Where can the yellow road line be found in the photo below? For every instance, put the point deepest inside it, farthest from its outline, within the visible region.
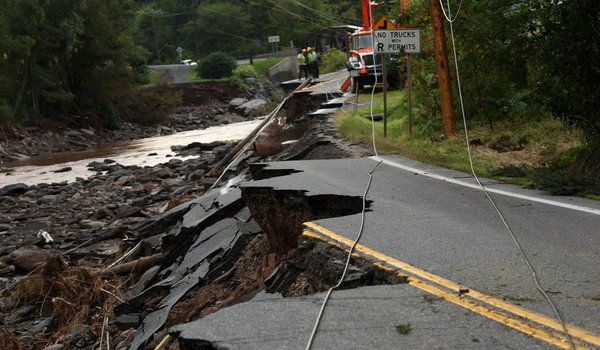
(574, 331)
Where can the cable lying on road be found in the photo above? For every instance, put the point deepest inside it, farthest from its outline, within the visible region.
(363, 213)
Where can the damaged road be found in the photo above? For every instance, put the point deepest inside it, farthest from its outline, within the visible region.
(154, 258)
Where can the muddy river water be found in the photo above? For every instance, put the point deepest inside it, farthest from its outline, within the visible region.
(143, 152)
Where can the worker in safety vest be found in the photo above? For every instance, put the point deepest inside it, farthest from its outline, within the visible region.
(313, 62)
(302, 64)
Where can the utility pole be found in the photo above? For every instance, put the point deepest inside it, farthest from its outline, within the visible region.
(443, 71)
(409, 93)
(156, 49)
(385, 92)
(195, 19)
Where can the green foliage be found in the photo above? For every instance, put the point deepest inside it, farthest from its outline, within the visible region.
(243, 72)
(263, 65)
(519, 59)
(404, 329)
(234, 26)
(567, 51)
(333, 60)
(67, 57)
(217, 65)
(148, 106)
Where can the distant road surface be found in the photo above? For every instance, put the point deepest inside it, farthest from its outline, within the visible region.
(173, 73)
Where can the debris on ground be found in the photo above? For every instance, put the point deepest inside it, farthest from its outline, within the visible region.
(125, 255)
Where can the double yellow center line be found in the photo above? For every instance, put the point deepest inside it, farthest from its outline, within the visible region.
(516, 317)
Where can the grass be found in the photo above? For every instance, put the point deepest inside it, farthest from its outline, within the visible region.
(536, 147)
(153, 76)
(192, 74)
(403, 329)
(262, 66)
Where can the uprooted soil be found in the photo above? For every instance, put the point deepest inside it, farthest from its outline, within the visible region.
(136, 250)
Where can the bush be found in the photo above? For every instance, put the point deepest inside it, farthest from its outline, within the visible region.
(150, 106)
(333, 60)
(244, 72)
(217, 65)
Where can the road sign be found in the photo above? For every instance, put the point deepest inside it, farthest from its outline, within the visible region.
(384, 23)
(274, 39)
(179, 50)
(398, 41)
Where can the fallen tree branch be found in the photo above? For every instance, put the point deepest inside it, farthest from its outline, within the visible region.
(141, 264)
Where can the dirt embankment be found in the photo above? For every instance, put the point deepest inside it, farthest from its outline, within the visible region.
(120, 257)
(202, 105)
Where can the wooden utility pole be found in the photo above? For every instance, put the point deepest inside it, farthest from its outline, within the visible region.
(443, 71)
(195, 18)
(409, 93)
(385, 92)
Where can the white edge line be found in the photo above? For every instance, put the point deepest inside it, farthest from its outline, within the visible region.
(492, 190)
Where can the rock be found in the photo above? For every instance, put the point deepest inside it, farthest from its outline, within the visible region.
(41, 326)
(196, 175)
(251, 107)
(47, 199)
(230, 118)
(124, 322)
(78, 330)
(91, 224)
(4, 227)
(95, 182)
(28, 258)
(160, 173)
(54, 347)
(89, 132)
(109, 161)
(172, 182)
(236, 102)
(13, 190)
(63, 170)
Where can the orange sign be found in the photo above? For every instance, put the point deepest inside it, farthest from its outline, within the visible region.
(384, 23)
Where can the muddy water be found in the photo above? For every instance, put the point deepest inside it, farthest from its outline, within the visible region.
(41, 169)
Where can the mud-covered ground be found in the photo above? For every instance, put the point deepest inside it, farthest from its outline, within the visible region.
(121, 256)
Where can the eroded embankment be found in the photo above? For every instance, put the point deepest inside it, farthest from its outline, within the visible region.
(171, 252)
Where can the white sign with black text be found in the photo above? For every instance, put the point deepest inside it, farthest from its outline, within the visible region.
(397, 41)
(273, 39)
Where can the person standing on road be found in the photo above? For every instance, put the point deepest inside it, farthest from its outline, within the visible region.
(313, 63)
(302, 64)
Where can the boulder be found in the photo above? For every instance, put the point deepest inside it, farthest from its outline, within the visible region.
(28, 258)
(13, 190)
(252, 107)
(236, 102)
(47, 199)
(63, 170)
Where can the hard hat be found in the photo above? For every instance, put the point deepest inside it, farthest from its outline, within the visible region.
(309, 49)
(303, 50)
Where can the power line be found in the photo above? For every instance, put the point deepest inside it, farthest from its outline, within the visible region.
(483, 188)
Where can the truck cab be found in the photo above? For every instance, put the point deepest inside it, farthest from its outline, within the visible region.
(365, 67)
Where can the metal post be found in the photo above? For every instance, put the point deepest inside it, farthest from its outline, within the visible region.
(385, 89)
(409, 93)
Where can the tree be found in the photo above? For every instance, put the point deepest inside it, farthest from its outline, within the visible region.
(568, 42)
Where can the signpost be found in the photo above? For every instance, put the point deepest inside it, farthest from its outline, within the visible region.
(397, 41)
(274, 40)
(180, 53)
